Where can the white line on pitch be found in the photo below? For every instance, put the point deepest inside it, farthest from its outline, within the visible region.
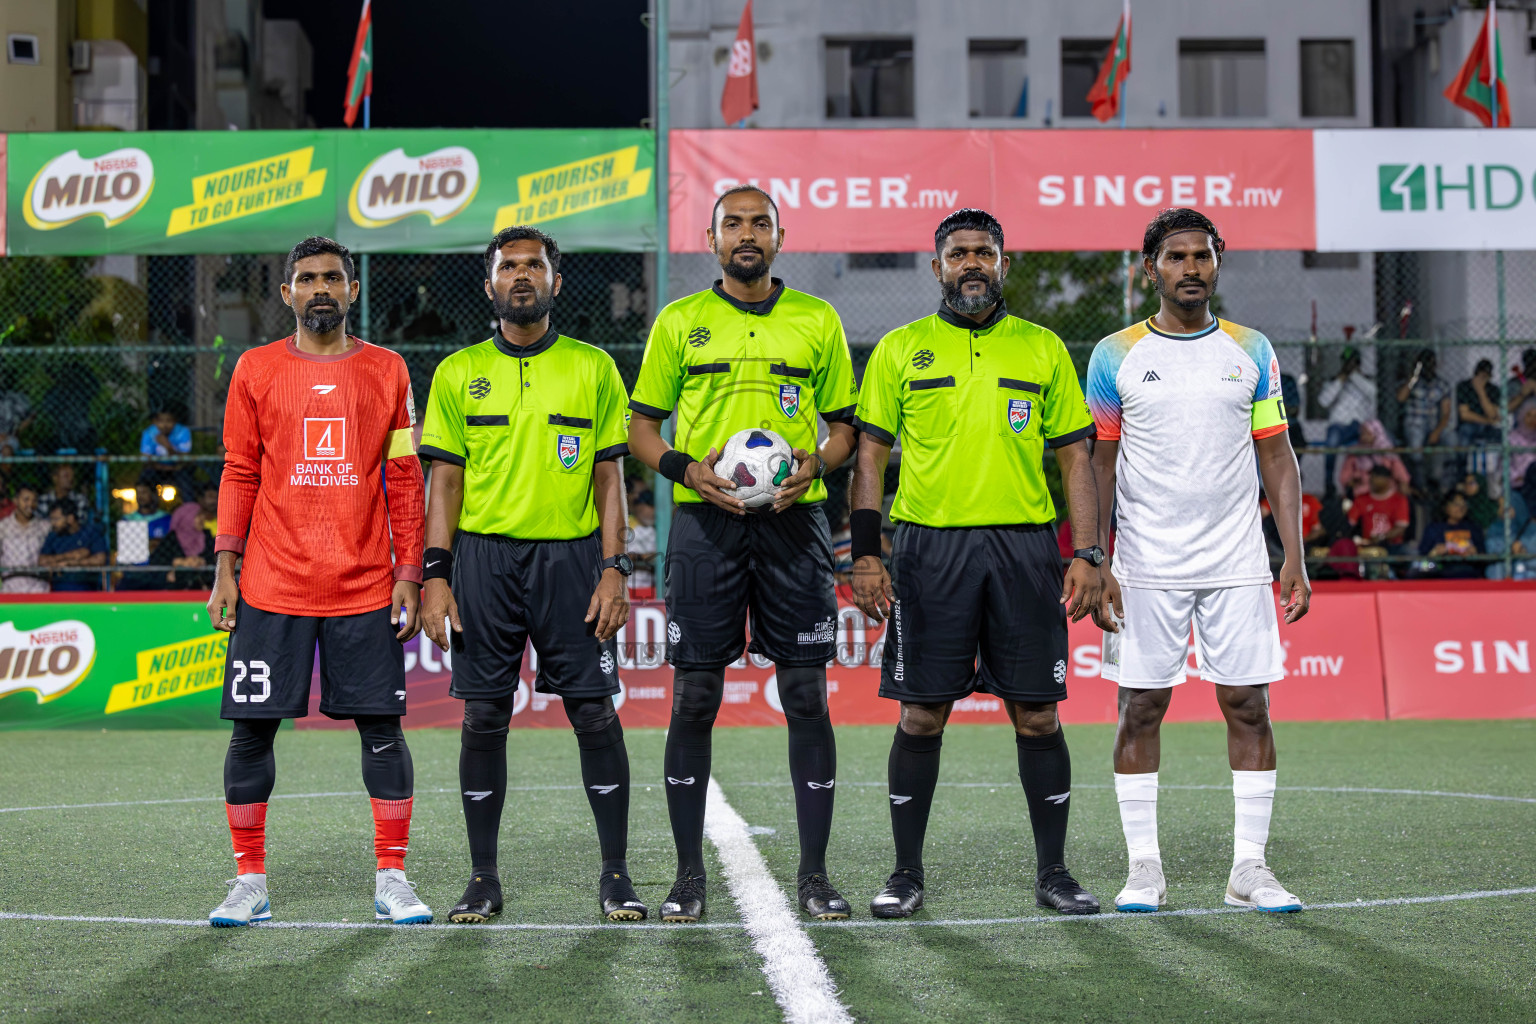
(963, 922)
(799, 979)
(952, 785)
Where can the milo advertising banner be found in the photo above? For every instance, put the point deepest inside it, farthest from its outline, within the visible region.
(378, 191)
(129, 665)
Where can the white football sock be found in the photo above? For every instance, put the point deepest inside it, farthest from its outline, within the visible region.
(1138, 814)
(1254, 796)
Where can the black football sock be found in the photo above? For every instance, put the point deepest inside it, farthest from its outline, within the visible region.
(913, 772)
(250, 769)
(1045, 768)
(812, 760)
(695, 702)
(604, 775)
(483, 776)
(388, 773)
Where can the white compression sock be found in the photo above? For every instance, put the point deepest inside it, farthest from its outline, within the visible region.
(1254, 796)
(1138, 814)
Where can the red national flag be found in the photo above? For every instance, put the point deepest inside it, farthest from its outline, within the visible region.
(360, 71)
(1474, 87)
(740, 96)
(1105, 94)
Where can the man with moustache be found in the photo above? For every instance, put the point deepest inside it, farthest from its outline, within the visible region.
(526, 434)
(976, 590)
(748, 352)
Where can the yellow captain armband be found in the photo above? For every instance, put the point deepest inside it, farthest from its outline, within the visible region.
(1269, 416)
(401, 444)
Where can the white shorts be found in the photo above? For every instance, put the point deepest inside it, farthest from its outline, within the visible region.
(1236, 632)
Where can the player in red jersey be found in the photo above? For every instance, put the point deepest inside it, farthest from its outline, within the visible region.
(321, 479)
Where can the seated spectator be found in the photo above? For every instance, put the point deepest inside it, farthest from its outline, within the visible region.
(195, 523)
(1313, 533)
(165, 436)
(21, 538)
(1481, 509)
(1355, 473)
(63, 493)
(146, 504)
(1380, 518)
(1523, 434)
(642, 545)
(1453, 534)
(71, 545)
(1521, 540)
(1477, 413)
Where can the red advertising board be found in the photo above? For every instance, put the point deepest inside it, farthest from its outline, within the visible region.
(884, 190)
(1458, 654)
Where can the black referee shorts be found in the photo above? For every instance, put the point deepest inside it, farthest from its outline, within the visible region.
(512, 591)
(777, 565)
(976, 609)
(271, 661)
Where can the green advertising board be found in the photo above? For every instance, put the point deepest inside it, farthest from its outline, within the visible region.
(436, 190)
(134, 665)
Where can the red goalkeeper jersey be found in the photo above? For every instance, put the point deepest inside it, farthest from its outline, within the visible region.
(321, 479)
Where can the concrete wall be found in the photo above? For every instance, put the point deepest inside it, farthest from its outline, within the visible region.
(36, 97)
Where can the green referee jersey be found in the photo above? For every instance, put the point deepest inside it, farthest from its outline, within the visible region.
(727, 366)
(527, 424)
(975, 404)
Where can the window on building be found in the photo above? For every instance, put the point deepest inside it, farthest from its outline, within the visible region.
(999, 75)
(1222, 78)
(882, 260)
(1327, 78)
(1080, 60)
(1330, 260)
(869, 78)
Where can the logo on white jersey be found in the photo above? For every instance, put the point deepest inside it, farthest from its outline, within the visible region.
(1235, 373)
(1151, 375)
(325, 437)
(324, 389)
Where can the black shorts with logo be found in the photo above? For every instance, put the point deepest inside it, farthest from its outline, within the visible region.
(976, 609)
(271, 661)
(777, 565)
(512, 591)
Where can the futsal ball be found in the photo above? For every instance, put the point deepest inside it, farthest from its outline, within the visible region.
(757, 462)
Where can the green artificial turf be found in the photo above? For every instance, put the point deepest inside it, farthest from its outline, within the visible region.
(1463, 961)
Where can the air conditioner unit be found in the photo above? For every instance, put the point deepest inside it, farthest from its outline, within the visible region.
(80, 55)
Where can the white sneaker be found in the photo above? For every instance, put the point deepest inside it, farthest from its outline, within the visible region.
(247, 901)
(1145, 890)
(1253, 885)
(394, 899)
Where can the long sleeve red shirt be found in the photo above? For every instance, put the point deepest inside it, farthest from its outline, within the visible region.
(322, 490)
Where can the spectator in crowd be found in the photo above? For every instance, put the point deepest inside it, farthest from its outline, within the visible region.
(188, 546)
(1426, 401)
(1313, 533)
(1452, 534)
(165, 436)
(1521, 540)
(195, 523)
(1522, 379)
(1381, 515)
(63, 494)
(1481, 509)
(15, 416)
(1523, 435)
(73, 545)
(1354, 474)
(1477, 413)
(146, 503)
(21, 539)
(642, 544)
(1350, 398)
(1290, 397)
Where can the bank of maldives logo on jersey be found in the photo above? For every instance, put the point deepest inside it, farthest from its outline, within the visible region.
(568, 448)
(1018, 414)
(789, 399)
(325, 437)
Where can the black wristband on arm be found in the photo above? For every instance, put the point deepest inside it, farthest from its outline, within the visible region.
(674, 466)
(436, 564)
(864, 526)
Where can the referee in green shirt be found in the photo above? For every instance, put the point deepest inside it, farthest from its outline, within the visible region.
(977, 605)
(747, 353)
(527, 435)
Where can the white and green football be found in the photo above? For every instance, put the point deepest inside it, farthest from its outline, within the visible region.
(757, 462)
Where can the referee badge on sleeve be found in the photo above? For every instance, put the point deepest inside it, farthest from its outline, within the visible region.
(1018, 414)
(789, 399)
(568, 448)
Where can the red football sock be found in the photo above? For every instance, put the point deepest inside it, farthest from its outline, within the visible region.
(248, 834)
(391, 832)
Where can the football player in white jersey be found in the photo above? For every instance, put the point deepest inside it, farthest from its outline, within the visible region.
(1181, 402)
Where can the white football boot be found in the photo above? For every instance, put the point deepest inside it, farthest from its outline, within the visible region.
(1145, 889)
(247, 902)
(1253, 885)
(394, 899)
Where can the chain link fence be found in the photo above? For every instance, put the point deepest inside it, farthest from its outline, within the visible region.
(92, 348)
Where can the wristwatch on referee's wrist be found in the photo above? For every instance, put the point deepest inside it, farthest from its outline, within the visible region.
(821, 466)
(1094, 556)
(620, 562)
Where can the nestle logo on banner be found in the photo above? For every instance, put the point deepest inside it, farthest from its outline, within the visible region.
(439, 184)
(1407, 187)
(49, 660)
(1149, 190)
(850, 193)
(70, 187)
